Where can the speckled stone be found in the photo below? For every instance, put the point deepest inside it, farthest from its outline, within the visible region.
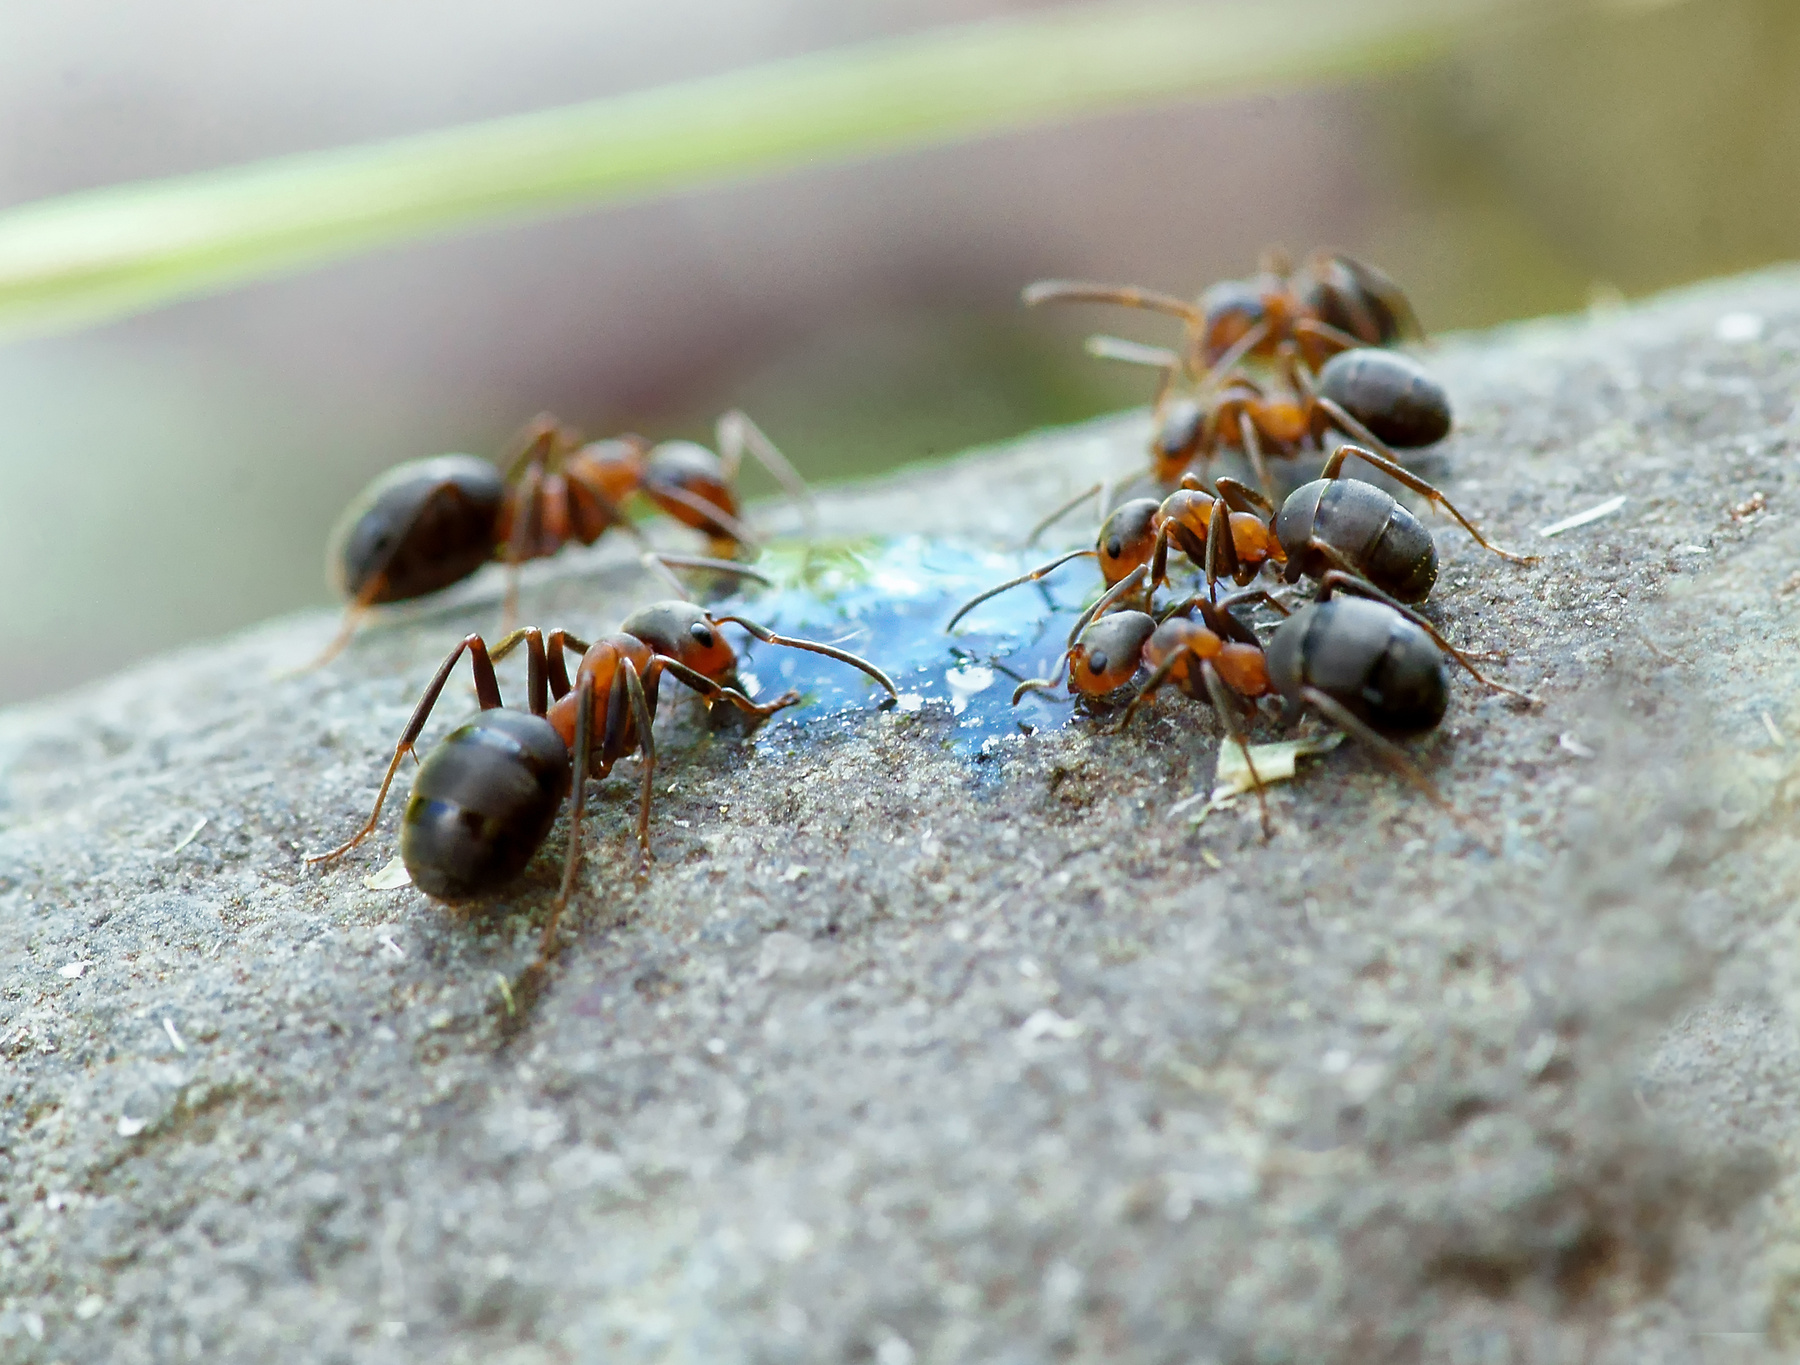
(899, 1056)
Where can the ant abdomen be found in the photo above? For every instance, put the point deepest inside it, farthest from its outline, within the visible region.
(1391, 394)
(422, 526)
(1365, 656)
(1351, 525)
(482, 802)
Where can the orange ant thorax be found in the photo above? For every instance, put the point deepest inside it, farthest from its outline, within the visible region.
(601, 663)
(1254, 541)
(1244, 668)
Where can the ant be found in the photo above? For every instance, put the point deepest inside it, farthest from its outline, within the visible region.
(429, 523)
(1380, 398)
(1376, 397)
(1363, 662)
(1217, 659)
(484, 799)
(1338, 522)
(1334, 303)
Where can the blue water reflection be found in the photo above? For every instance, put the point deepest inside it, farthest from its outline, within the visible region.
(888, 600)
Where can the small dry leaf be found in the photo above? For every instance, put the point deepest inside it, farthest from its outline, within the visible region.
(390, 878)
(1274, 762)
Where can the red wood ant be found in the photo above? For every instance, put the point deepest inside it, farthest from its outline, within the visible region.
(1362, 662)
(429, 523)
(484, 799)
(1380, 398)
(1334, 303)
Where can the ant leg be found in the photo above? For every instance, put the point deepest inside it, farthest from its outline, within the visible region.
(354, 615)
(736, 434)
(1335, 579)
(584, 743)
(640, 711)
(536, 683)
(1151, 685)
(528, 507)
(769, 637)
(1382, 747)
(1063, 510)
(1159, 558)
(1241, 498)
(1032, 577)
(661, 563)
(1221, 548)
(1229, 359)
(722, 523)
(559, 641)
(1222, 623)
(1104, 347)
(730, 566)
(713, 692)
(535, 443)
(1253, 450)
(1325, 332)
(1049, 684)
(1405, 476)
(1228, 717)
(1122, 588)
(1081, 291)
(1262, 595)
(487, 688)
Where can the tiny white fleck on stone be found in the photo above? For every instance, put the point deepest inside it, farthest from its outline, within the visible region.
(1739, 327)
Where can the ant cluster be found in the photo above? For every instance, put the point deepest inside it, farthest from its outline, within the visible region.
(1268, 368)
(1358, 654)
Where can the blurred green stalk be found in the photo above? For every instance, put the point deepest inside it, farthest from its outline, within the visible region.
(102, 254)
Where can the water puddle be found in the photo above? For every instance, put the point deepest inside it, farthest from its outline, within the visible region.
(888, 600)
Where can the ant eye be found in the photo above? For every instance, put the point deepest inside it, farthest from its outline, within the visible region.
(1114, 548)
(702, 634)
(1097, 661)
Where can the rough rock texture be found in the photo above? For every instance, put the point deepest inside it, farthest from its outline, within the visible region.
(904, 1056)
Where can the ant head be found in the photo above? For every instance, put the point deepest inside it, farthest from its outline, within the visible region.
(1231, 308)
(683, 478)
(615, 467)
(1127, 538)
(1355, 298)
(1107, 655)
(684, 632)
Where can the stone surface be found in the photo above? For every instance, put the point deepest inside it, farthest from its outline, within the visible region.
(900, 1055)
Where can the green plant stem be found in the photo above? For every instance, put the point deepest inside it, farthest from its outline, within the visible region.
(105, 253)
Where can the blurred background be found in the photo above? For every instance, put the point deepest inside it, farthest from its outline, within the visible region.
(172, 476)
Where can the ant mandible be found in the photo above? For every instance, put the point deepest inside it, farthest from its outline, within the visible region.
(429, 523)
(484, 799)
